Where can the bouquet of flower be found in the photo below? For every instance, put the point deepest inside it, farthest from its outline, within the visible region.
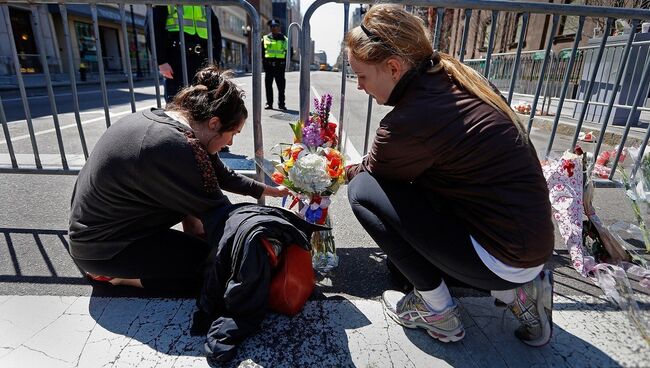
(312, 167)
(596, 251)
(603, 166)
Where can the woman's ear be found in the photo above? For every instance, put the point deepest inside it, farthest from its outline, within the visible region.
(396, 68)
(214, 123)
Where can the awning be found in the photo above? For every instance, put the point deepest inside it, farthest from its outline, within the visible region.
(104, 13)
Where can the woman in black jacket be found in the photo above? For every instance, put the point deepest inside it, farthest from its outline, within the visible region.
(452, 185)
(151, 170)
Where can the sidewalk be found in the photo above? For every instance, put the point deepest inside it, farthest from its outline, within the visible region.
(118, 332)
(50, 316)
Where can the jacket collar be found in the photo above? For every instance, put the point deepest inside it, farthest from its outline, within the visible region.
(400, 88)
(402, 85)
(159, 115)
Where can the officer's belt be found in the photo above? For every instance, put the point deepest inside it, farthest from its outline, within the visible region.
(194, 48)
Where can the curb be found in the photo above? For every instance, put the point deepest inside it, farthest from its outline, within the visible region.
(613, 133)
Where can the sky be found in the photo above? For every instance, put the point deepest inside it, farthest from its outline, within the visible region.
(326, 28)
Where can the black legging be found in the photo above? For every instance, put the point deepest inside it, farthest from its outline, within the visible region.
(169, 260)
(424, 242)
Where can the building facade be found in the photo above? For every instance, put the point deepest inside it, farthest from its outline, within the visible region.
(82, 36)
(235, 32)
(287, 12)
(234, 24)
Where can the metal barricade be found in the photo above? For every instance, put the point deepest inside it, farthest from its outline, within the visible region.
(532, 71)
(61, 164)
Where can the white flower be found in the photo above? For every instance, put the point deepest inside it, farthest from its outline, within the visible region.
(309, 173)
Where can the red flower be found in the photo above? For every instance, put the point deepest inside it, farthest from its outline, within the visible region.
(568, 165)
(277, 177)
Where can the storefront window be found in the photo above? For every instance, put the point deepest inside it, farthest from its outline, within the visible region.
(86, 43)
(24, 39)
(140, 51)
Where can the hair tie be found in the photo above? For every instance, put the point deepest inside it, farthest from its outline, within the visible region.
(430, 64)
(435, 58)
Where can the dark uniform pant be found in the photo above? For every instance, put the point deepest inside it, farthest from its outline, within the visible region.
(274, 70)
(197, 55)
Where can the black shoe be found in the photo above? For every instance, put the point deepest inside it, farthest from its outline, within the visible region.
(268, 107)
(282, 107)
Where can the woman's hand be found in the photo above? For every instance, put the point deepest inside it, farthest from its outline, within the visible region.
(279, 191)
(193, 226)
(166, 71)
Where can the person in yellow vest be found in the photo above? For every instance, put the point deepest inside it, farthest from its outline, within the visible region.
(168, 44)
(274, 53)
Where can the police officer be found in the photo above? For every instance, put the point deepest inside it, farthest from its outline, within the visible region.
(168, 44)
(274, 53)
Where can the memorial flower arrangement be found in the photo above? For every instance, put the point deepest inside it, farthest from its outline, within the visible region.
(597, 251)
(312, 167)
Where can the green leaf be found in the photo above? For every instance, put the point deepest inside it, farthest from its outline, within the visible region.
(297, 130)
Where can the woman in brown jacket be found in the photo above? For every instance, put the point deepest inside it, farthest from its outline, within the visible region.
(452, 185)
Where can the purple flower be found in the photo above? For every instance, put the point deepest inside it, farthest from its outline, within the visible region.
(311, 134)
(328, 106)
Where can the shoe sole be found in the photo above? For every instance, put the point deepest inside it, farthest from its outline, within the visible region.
(441, 335)
(545, 285)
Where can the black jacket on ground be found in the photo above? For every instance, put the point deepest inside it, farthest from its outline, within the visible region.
(234, 297)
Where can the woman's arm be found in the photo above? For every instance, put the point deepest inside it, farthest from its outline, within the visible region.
(279, 191)
(233, 182)
(394, 155)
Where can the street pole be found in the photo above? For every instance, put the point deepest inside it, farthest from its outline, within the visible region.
(135, 43)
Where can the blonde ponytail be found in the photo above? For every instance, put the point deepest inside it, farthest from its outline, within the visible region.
(474, 83)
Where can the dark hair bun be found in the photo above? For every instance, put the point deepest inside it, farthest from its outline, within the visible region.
(212, 93)
(211, 76)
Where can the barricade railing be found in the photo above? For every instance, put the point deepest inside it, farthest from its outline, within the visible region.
(290, 39)
(529, 74)
(44, 62)
(522, 65)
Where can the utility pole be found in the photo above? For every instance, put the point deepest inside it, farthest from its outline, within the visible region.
(135, 44)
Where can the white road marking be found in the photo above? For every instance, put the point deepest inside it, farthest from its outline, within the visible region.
(52, 130)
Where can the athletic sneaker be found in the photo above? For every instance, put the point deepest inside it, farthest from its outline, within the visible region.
(411, 311)
(533, 307)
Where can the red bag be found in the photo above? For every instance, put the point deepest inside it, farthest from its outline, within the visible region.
(293, 281)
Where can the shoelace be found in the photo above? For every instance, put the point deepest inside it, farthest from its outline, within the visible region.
(526, 316)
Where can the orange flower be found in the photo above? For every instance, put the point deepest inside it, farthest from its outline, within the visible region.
(334, 162)
(295, 152)
(277, 177)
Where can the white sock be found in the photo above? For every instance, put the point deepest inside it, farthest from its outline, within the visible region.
(437, 299)
(506, 296)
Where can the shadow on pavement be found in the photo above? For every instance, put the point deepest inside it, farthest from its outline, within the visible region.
(489, 341)
(54, 267)
(314, 338)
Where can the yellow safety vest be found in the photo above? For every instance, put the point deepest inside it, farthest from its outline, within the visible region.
(274, 49)
(194, 20)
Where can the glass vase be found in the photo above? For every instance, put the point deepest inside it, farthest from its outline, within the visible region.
(323, 249)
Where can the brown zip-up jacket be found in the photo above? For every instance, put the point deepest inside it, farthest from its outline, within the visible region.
(453, 145)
